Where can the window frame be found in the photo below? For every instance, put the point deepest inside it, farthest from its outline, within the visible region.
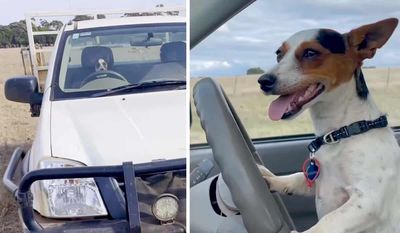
(276, 139)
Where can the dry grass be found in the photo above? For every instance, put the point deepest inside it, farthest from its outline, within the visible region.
(251, 105)
(16, 129)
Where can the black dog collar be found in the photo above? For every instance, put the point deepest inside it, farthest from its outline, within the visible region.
(355, 128)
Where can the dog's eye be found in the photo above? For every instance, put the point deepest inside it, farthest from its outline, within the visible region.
(279, 55)
(310, 53)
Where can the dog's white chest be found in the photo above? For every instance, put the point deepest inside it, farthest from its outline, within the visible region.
(330, 194)
(338, 163)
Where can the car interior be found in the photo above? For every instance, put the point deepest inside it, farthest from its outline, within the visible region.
(228, 193)
(171, 65)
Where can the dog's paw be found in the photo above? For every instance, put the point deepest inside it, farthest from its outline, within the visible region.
(279, 184)
(276, 183)
(264, 171)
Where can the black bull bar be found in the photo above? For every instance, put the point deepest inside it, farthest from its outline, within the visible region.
(102, 174)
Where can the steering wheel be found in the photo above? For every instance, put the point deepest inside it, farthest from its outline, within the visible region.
(236, 156)
(102, 74)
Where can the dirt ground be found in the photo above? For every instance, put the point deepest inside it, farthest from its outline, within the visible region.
(16, 129)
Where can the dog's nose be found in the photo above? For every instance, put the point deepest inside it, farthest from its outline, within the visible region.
(267, 82)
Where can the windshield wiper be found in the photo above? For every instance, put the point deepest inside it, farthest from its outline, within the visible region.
(142, 85)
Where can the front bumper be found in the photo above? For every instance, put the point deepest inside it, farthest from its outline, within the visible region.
(107, 226)
(123, 207)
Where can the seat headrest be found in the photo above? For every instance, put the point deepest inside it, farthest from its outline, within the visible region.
(91, 55)
(173, 52)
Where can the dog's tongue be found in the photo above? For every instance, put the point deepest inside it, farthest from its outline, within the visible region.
(279, 106)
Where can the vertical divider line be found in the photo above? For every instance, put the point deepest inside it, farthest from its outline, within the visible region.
(188, 93)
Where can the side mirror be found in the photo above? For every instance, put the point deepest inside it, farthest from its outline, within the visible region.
(24, 90)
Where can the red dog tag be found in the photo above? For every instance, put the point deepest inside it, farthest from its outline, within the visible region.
(311, 169)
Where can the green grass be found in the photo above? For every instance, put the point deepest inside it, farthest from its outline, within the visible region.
(252, 106)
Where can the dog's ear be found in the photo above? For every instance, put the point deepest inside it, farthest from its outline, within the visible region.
(366, 39)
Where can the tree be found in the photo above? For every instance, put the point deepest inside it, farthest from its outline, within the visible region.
(5, 36)
(15, 34)
(82, 17)
(101, 16)
(255, 70)
(55, 25)
(19, 33)
(44, 23)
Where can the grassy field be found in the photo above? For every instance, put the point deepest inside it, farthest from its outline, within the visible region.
(251, 104)
(16, 129)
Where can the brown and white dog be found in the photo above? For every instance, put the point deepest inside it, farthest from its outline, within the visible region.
(358, 188)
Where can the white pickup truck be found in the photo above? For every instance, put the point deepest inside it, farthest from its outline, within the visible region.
(115, 92)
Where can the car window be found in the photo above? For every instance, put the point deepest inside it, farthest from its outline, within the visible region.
(242, 49)
(104, 58)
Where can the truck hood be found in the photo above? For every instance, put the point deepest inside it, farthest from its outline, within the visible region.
(110, 130)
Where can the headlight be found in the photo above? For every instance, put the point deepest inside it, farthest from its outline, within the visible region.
(165, 208)
(66, 198)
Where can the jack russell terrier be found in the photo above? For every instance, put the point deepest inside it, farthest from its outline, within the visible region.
(354, 164)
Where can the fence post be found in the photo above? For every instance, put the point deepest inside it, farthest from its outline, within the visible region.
(23, 60)
(388, 77)
(234, 85)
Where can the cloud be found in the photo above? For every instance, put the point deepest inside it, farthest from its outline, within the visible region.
(310, 22)
(248, 39)
(253, 35)
(209, 65)
(224, 28)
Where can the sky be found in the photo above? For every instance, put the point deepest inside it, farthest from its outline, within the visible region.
(14, 10)
(251, 38)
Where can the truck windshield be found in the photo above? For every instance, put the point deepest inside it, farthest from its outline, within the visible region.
(99, 59)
